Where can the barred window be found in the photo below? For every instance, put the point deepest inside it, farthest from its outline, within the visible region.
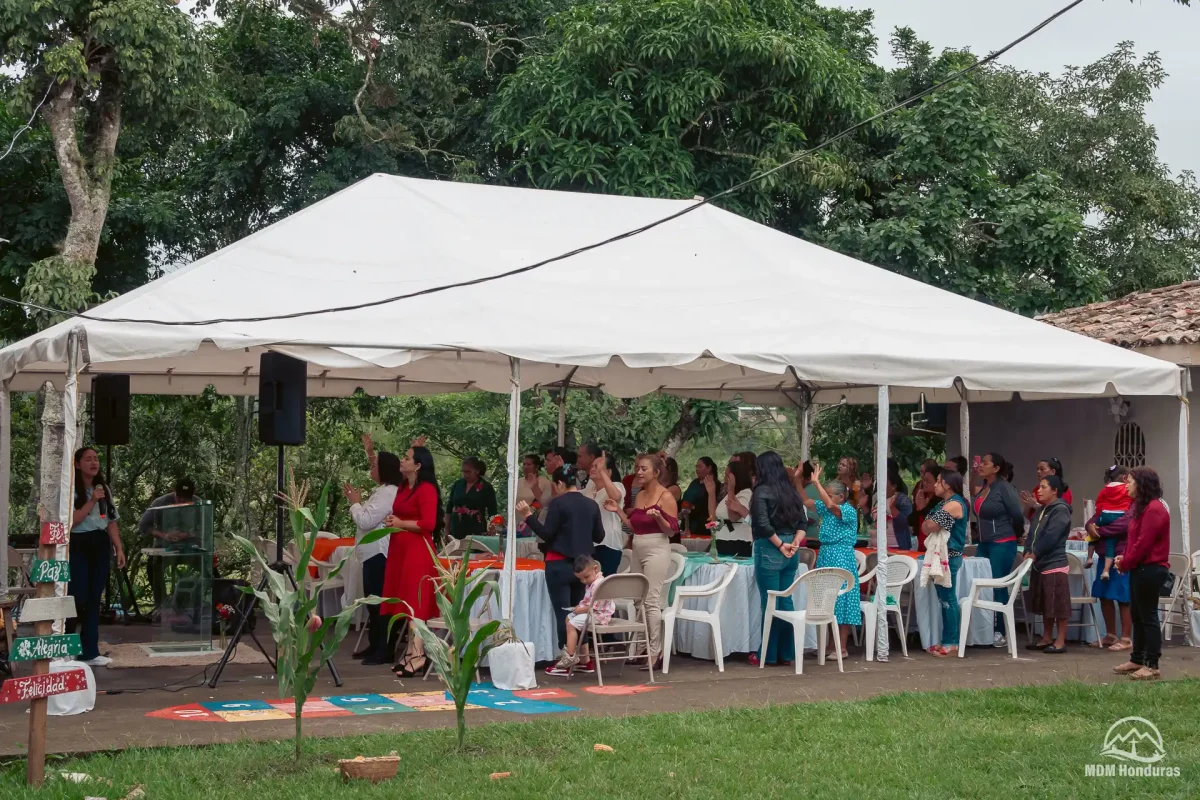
(1129, 450)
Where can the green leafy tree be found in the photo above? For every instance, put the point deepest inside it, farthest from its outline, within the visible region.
(89, 69)
(678, 98)
(934, 201)
(1088, 126)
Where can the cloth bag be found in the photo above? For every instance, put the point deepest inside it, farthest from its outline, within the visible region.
(511, 665)
(66, 705)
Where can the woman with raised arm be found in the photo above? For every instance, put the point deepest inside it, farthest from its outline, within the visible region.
(734, 533)
(839, 532)
(607, 478)
(653, 520)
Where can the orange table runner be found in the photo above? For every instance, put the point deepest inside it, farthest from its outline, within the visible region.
(323, 550)
(498, 563)
(913, 553)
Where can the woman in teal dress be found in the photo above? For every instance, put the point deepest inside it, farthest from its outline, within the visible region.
(949, 488)
(839, 532)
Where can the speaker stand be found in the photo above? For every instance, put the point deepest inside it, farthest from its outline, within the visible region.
(252, 600)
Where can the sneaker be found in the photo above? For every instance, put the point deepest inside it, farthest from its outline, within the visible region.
(99, 661)
(555, 669)
(999, 640)
(588, 668)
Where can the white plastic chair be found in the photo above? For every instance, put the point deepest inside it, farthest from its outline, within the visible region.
(1195, 571)
(1086, 600)
(291, 557)
(678, 548)
(678, 564)
(626, 561)
(711, 617)
(1177, 604)
(860, 558)
(901, 571)
(822, 588)
(1012, 582)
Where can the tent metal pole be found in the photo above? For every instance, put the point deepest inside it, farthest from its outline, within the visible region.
(964, 440)
(881, 571)
(562, 417)
(514, 472)
(806, 432)
(1185, 501)
(5, 481)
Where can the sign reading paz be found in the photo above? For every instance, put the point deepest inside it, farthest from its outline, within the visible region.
(35, 648)
(50, 571)
(53, 533)
(48, 609)
(34, 687)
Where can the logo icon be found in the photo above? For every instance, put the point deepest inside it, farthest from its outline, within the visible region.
(1134, 739)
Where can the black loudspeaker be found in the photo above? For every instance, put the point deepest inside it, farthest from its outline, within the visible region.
(110, 409)
(282, 399)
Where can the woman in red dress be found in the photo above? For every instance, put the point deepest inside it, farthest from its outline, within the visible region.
(411, 576)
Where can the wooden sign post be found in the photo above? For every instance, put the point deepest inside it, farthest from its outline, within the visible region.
(42, 610)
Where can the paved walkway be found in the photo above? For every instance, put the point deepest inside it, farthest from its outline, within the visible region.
(120, 718)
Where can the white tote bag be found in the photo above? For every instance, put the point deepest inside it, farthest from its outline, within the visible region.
(71, 703)
(511, 665)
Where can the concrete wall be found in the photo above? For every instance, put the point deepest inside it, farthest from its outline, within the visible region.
(1082, 435)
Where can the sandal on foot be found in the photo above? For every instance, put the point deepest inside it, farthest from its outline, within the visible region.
(1107, 641)
(1121, 646)
(1038, 645)
(1127, 668)
(408, 667)
(1145, 674)
(945, 652)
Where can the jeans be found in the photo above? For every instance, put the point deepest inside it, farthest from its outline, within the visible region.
(372, 575)
(1001, 556)
(90, 555)
(775, 572)
(948, 597)
(610, 559)
(1144, 584)
(566, 592)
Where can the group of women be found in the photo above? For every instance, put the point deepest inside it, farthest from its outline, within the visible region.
(1040, 522)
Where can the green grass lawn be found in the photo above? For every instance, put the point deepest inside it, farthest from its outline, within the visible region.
(1003, 743)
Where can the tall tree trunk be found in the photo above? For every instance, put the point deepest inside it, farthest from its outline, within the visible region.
(682, 431)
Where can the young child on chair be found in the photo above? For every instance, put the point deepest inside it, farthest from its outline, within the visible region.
(1111, 504)
(587, 570)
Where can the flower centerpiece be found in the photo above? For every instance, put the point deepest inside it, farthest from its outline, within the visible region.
(224, 615)
(711, 527)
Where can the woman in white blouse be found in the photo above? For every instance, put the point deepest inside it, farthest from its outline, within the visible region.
(369, 516)
(609, 487)
(733, 534)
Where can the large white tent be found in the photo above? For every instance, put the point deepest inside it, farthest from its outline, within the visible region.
(708, 305)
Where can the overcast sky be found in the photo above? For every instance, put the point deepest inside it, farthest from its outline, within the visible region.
(1083, 35)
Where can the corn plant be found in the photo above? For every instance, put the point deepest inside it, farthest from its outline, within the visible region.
(455, 662)
(304, 642)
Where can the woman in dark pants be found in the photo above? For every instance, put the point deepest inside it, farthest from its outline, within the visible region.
(94, 538)
(1146, 560)
(369, 516)
(572, 529)
(997, 507)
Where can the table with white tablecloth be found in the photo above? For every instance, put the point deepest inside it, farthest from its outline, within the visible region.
(696, 544)
(533, 616)
(928, 610)
(741, 613)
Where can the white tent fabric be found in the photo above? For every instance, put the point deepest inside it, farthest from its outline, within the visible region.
(708, 305)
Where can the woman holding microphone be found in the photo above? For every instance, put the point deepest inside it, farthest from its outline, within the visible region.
(94, 539)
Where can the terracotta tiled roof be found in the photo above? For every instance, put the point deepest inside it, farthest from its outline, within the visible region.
(1170, 315)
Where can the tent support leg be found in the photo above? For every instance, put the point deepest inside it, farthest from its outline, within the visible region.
(514, 473)
(1185, 500)
(881, 456)
(964, 438)
(5, 481)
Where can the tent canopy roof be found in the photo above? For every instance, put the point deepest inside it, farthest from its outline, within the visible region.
(709, 305)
